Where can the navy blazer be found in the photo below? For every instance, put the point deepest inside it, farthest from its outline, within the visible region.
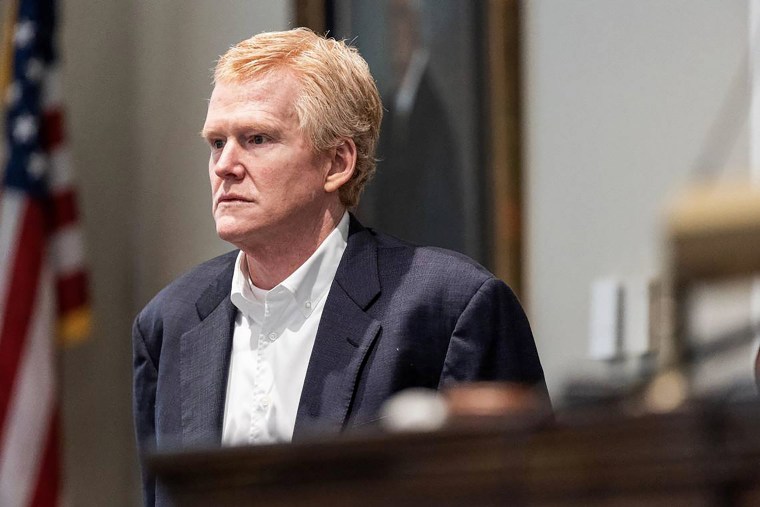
(396, 316)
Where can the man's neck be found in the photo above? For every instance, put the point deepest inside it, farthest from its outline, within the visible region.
(270, 264)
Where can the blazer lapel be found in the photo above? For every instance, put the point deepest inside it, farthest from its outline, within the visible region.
(204, 362)
(344, 338)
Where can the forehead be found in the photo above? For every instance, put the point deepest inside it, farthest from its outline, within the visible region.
(273, 94)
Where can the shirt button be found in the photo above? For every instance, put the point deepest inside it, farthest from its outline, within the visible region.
(307, 304)
(265, 401)
(272, 336)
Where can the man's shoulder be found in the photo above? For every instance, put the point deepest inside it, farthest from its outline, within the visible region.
(426, 280)
(187, 288)
(428, 262)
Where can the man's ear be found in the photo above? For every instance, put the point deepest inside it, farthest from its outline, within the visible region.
(342, 165)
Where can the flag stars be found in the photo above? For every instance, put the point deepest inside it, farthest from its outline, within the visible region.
(24, 34)
(37, 165)
(34, 70)
(25, 128)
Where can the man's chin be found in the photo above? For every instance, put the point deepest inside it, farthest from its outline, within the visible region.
(232, 235)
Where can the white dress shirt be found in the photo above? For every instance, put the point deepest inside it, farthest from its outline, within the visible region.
(272, 342)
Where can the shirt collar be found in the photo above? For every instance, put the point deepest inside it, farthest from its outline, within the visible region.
(247, 298)
(308, 284)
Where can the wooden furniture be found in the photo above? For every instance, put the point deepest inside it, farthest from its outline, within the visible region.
(702, 456)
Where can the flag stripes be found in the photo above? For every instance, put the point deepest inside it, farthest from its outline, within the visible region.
(31, 407)
(43, 282)
(20, 298)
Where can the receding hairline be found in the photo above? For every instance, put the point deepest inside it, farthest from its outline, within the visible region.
(270, 74)
(283, 67)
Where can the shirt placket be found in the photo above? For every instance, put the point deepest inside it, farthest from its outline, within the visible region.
(262, 396)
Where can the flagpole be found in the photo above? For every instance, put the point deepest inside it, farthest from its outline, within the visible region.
(9, 18)
(6, 67)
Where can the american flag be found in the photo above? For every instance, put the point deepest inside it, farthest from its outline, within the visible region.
(43, 287)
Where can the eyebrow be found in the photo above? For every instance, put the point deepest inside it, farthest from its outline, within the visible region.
(206, 133)
(270, 128)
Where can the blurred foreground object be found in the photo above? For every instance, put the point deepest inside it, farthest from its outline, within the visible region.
(713, 233)
(415, 409)
(471, 401)
(473, 404)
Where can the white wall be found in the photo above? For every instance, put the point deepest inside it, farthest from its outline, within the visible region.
(620, 98)
(137, 75)
(100, 468)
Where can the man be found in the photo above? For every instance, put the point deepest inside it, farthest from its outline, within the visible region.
(315, 321)
(418, 145)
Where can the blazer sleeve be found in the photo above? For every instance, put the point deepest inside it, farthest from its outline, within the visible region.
(145, 374)
(492, 340)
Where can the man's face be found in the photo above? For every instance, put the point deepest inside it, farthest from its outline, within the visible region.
(266, 181)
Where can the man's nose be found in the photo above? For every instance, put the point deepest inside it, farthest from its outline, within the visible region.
(229, 163)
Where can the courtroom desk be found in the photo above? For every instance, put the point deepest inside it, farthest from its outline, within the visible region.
(703, 456)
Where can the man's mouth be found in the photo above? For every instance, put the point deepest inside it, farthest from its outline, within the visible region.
(232, 199)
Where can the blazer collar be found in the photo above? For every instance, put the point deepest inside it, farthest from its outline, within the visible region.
(204, 363)
(358, 274)
(344, 338)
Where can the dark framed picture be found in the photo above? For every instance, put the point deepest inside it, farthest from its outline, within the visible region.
(449, 170)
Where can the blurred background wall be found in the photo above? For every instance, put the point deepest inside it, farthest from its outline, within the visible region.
(620, 97)
(622, 103)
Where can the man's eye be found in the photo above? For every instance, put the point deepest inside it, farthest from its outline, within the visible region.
(217, 144)
(258, 139)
